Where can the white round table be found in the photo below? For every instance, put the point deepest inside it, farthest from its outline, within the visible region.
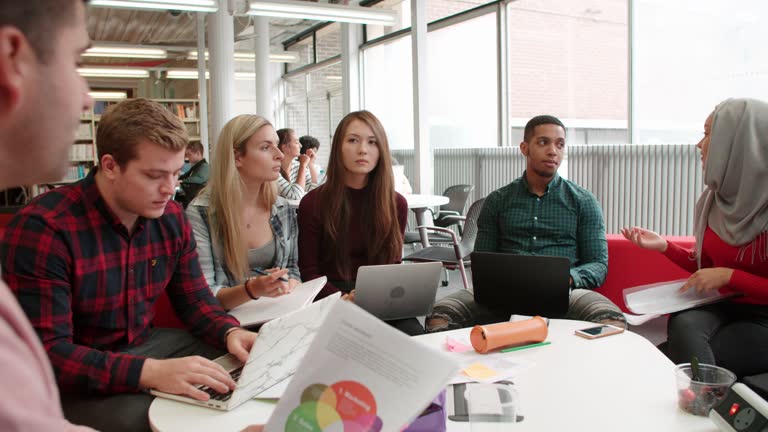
(619, 382)
(420, 204)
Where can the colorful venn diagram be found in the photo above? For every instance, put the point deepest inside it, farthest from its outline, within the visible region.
(346, 406)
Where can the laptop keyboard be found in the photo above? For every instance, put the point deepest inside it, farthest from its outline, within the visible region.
(235, 374)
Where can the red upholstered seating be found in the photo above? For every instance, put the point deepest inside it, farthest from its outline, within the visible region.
(630, 266)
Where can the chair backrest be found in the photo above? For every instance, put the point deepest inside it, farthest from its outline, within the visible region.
(467, 243)
(457, 195)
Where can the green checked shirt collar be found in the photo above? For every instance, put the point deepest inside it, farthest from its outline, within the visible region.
(566, 221)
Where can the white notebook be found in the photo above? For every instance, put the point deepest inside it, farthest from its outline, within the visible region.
(665, 297)
(267, 308)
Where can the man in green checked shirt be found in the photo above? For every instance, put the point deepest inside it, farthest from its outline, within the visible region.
(540, 213)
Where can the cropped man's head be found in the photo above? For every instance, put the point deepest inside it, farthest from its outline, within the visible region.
(42, 95)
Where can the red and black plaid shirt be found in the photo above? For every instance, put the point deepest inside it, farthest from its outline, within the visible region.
(89, 286)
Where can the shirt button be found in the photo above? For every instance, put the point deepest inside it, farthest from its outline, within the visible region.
(535, 218)
(538, 199)
(534, 237)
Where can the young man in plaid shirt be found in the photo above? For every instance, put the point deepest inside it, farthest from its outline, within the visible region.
(87, 262)
(540, 213)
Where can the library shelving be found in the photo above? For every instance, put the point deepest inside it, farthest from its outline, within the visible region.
(82, 155)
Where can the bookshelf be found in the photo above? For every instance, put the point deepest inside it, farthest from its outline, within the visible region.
(82, 155)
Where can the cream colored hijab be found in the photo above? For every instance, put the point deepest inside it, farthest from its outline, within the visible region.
(735, 201)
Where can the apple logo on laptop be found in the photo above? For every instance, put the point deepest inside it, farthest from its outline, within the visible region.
(397, 292)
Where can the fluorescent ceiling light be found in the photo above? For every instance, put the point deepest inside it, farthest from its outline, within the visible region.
(98, 72)
(193, 74)
(321, 12)
(127, 52)
(183, 5)
(108, 94)
(279, 57)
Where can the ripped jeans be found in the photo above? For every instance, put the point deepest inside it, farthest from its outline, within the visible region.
(460, 310)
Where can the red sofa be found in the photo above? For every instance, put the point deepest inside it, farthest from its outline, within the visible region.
(630, 266)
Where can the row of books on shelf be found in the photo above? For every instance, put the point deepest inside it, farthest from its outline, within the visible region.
(81, 152)
(85, 131)
(76, 172)
(184, 112)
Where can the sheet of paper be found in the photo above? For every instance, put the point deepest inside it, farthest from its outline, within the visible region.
(274, 392)
(278, 350)
(360, 370)
(267, 308)
(485, 400)
(665, 297)
(501, 368)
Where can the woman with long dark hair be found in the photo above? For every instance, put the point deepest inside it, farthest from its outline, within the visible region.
(355, 218)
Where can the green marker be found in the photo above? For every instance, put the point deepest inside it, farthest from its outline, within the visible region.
(526, 346)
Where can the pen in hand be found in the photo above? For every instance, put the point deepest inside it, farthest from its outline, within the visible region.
(263, 272)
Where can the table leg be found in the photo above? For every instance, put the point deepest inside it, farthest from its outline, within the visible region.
(422, 220)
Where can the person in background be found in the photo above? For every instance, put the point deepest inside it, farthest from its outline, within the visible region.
(402, 185)
(192, 181)
(41, 43)
(240, 223)
(540, 213)
(310, 146)
(87, 262)
(297, 175)
(731, 252)
(355, 218)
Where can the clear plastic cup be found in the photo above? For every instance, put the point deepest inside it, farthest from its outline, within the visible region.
(491, 407)
(699, 396)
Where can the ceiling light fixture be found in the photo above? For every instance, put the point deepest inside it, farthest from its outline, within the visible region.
(111, 95)
(193, 74)
(182, 5)
(321, 12)
(97, 72)
(279, 57)
(125, 52)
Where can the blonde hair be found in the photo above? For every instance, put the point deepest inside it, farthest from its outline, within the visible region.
(227, 190)
(123, 126)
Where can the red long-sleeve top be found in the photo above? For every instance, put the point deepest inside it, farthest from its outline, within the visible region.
(750, 276)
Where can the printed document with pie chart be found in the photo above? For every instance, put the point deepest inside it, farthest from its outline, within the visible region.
(360, 375)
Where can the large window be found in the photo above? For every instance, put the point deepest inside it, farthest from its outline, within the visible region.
(692, 54)
(462, 84)
(569, 59)
(388, 87)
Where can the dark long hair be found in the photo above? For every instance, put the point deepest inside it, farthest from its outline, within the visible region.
(284, 136)
(384, 241)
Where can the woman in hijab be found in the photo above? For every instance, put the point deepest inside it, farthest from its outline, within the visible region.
(731, 252)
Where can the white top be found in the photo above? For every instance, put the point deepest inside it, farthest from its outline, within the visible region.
(619, 382)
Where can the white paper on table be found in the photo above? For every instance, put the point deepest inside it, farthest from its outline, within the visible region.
(665, 297)
(354, 367)
(267, 308)
(485, 400)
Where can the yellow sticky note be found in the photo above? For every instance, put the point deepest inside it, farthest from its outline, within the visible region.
(479, 371)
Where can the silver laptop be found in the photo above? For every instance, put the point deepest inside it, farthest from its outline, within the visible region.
(399, 290)
(274, 357)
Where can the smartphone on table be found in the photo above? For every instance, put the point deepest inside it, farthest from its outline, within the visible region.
(599, 331)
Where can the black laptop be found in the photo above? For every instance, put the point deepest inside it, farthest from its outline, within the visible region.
(521, 284)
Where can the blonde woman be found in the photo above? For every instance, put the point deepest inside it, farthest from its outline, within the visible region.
(239, 221)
